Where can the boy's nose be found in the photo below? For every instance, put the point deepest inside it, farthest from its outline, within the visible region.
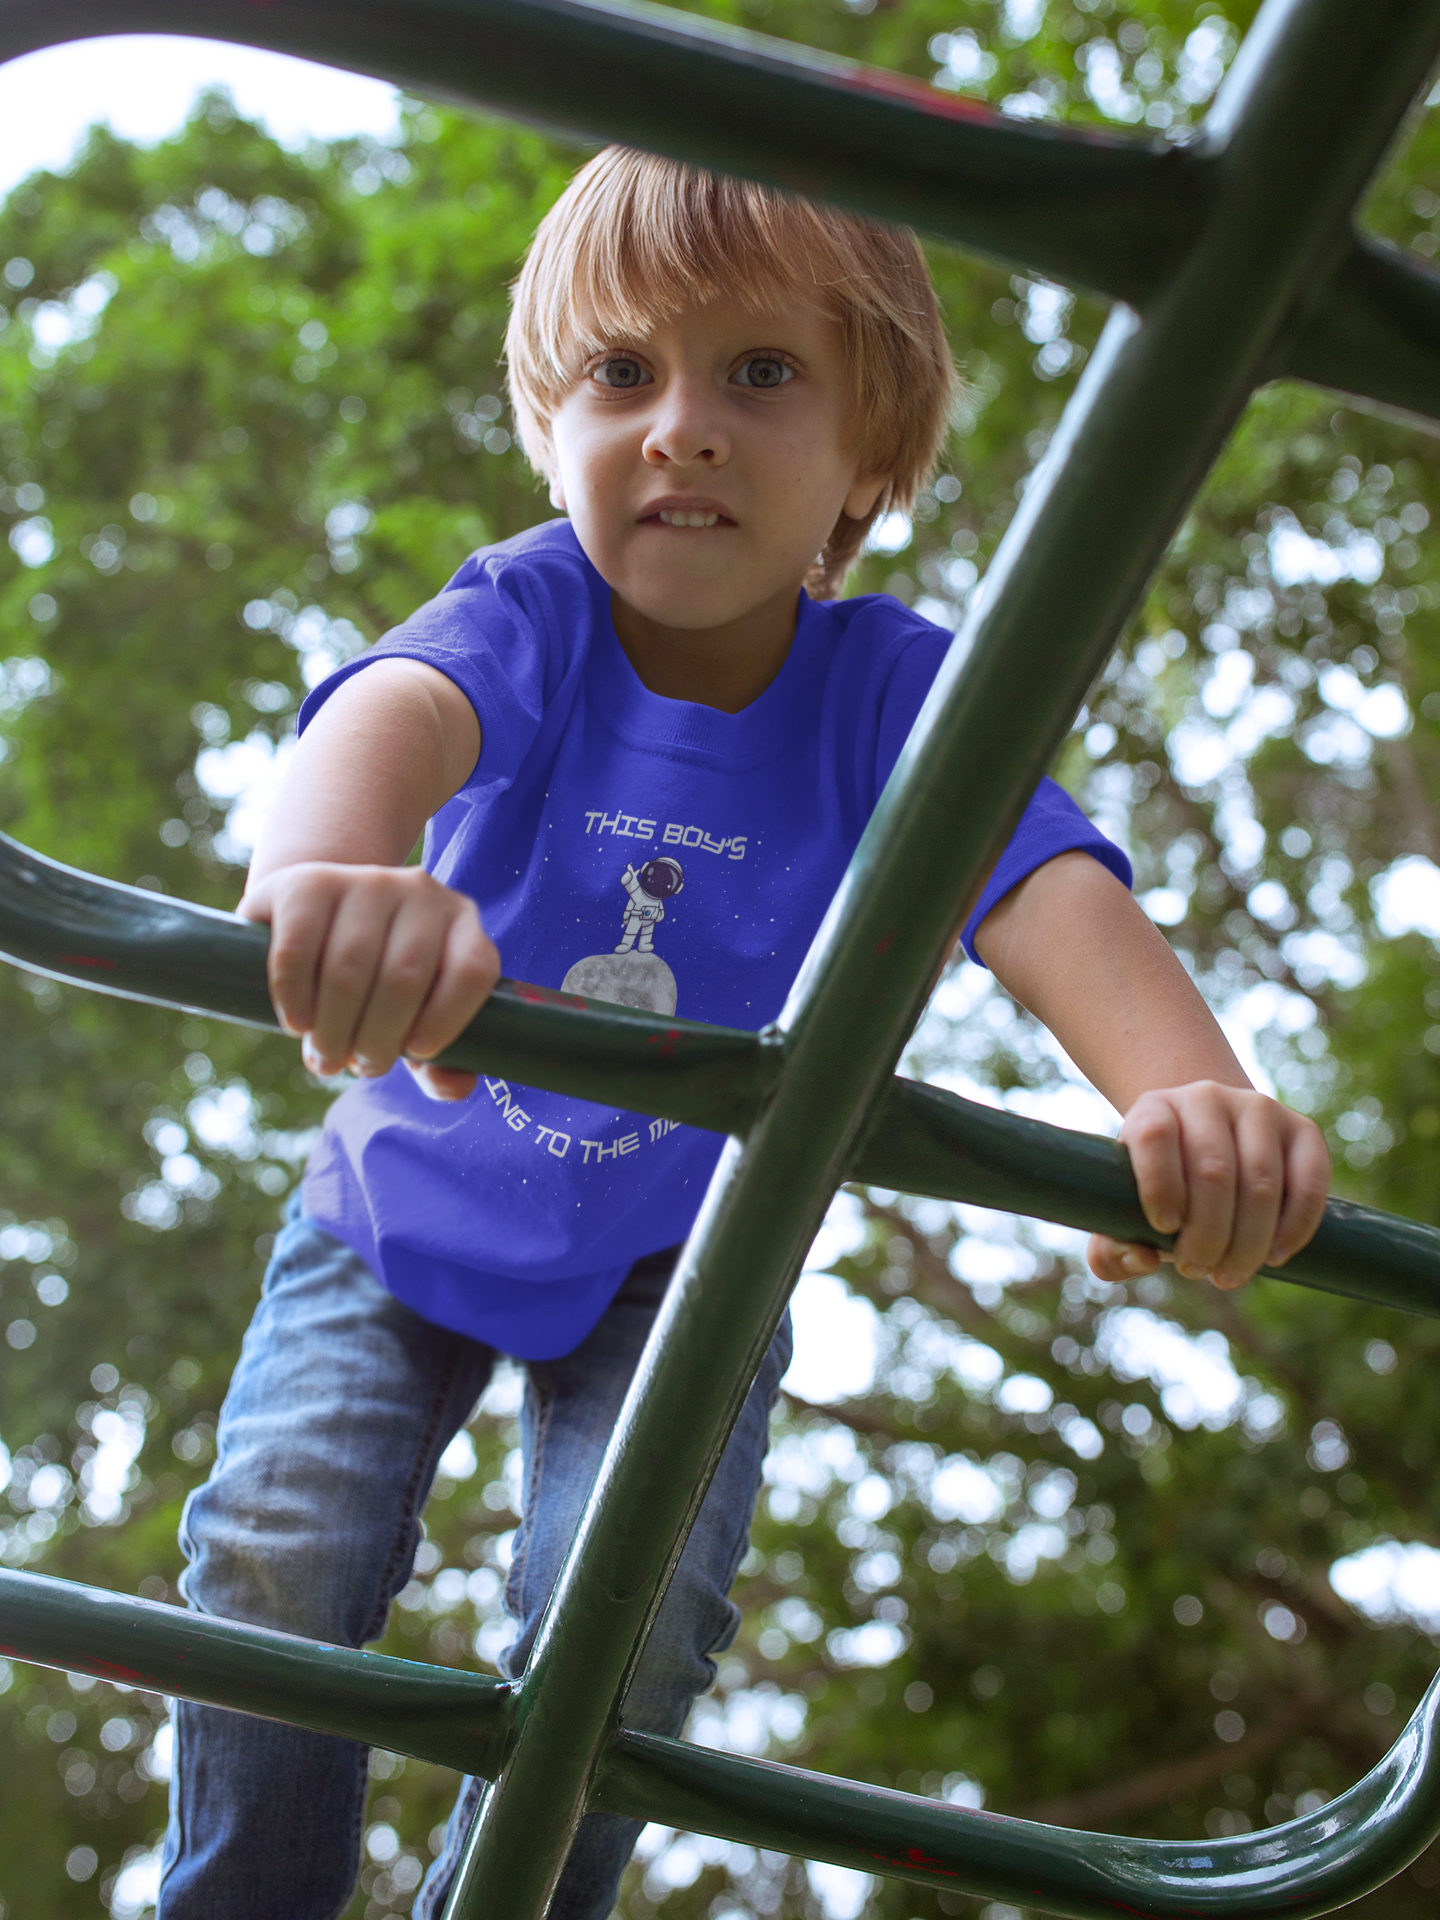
(685, 430)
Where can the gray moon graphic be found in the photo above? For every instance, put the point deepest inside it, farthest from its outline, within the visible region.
(628, 979)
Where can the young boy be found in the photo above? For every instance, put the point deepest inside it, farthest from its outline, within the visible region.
(645, 755)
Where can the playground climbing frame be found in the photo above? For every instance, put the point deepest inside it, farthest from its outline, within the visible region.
(1230, 260)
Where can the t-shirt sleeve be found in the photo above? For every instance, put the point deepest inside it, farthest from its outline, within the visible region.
(1051, 824)
(492, 632)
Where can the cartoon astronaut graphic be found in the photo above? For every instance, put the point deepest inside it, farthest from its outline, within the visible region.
(647, 891)
(633, 974)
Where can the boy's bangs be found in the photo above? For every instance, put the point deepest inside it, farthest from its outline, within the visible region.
(668, 237)
(678, 240)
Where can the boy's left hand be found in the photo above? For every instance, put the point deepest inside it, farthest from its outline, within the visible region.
(1238, 1178)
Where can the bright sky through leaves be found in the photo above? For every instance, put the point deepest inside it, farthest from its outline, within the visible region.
(145, 85)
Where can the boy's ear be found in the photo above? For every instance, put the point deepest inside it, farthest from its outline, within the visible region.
(557, 494)
(864, 493)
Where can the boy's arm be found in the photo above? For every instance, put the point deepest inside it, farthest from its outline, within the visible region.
(369, 957)
(1241, 1179)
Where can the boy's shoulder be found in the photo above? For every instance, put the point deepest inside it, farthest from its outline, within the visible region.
(882, 616)
(882, 630)
(548, 552)
(511, 619)
(532, 597)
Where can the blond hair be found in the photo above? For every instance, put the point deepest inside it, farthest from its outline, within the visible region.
(635, 239)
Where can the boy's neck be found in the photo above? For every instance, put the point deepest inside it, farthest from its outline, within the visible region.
(725, 667)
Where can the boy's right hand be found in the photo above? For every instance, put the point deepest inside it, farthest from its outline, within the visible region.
(370, 963)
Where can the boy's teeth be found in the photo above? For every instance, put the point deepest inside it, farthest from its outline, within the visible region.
(677, 517)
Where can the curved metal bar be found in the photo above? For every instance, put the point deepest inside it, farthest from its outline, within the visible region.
(1109, 213)
(1098, 210)
(455, 1719)
(145, 946)
(1307, 1867)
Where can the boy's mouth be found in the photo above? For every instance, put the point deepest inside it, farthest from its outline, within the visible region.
(676, 517)
(698, 514)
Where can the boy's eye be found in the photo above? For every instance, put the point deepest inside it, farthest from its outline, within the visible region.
(765, 370)
(620, 372)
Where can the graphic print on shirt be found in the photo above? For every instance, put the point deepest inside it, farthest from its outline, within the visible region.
(633, 974)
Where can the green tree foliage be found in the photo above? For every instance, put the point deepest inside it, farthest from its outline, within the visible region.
(250, 415)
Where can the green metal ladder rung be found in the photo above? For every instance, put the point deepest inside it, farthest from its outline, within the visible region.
(1103, 212)
(1078, 204)
(453, 1719)
(466, 1721)
(91, 932)
(1238, 260)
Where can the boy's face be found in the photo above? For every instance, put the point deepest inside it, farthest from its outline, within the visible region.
(704, 462)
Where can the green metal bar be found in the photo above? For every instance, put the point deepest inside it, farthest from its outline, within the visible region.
(924, 1140)
(1105, 212)
(1306, 1867)
(455, 1719)
(1374, 332)
(1094, 209)
(140, 945)
(1153, 408)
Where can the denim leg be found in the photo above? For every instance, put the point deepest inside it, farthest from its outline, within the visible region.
(571, 1407)
(341, 1404)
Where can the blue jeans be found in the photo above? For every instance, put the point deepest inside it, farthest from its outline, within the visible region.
(341, 1404)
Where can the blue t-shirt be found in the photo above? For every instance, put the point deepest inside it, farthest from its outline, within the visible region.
(633, 848)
